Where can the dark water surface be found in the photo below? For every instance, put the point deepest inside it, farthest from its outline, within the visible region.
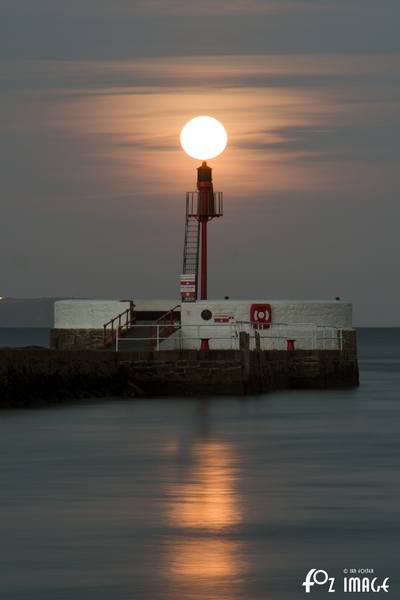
(12, 337)
(219, 499)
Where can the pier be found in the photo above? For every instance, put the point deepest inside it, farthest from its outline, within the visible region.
(30, 377)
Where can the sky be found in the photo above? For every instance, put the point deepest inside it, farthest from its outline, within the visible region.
(94, 93)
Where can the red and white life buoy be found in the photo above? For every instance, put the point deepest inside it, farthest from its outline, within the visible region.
(260, 316)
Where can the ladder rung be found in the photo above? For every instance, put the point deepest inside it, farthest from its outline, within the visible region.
(191, 249)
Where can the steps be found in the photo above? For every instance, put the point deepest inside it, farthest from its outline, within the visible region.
(119, 324)
(124, 332)
(191, 248)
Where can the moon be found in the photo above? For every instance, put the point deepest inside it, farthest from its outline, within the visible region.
(203, 138)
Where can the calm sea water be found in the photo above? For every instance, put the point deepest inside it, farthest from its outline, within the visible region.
(193, 499)
(17, 336)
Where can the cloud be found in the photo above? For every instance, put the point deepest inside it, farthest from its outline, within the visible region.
(127, 8)
(200, 71)
(101, 29)
(360, 143)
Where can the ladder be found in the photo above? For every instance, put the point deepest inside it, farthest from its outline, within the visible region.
(191, 247)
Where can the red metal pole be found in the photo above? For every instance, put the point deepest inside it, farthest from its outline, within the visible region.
(204, 185)
(203, 279)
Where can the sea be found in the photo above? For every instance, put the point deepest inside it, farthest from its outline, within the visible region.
(237, 498)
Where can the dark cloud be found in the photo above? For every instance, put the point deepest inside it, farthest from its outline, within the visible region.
(367, 143)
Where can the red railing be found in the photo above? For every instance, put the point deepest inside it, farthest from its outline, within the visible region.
(164, 325)
(120, 323)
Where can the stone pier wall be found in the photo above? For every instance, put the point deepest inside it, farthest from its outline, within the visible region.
(77, 339)
(29, 377)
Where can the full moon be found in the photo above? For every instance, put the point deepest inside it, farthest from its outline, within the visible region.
(203, 137)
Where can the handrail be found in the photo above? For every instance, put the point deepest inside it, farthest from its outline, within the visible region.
(124, 322)
(114, 328)
(171, 310)
(165, 331)
(215, 204)
(229, 333)
(167, 324)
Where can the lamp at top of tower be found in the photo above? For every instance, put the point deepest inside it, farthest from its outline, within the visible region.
(203, 138)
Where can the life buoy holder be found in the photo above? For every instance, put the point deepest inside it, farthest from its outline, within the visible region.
(261, 316)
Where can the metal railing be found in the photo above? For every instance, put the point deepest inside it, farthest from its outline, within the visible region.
(175, 336)
(214, 205)
(167, 324)
(151, 342)
(115, 326)
(304, 335)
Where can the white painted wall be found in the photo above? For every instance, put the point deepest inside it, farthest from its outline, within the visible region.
(86, 314)
(336, 314)
(93, 314)
(311, 324)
